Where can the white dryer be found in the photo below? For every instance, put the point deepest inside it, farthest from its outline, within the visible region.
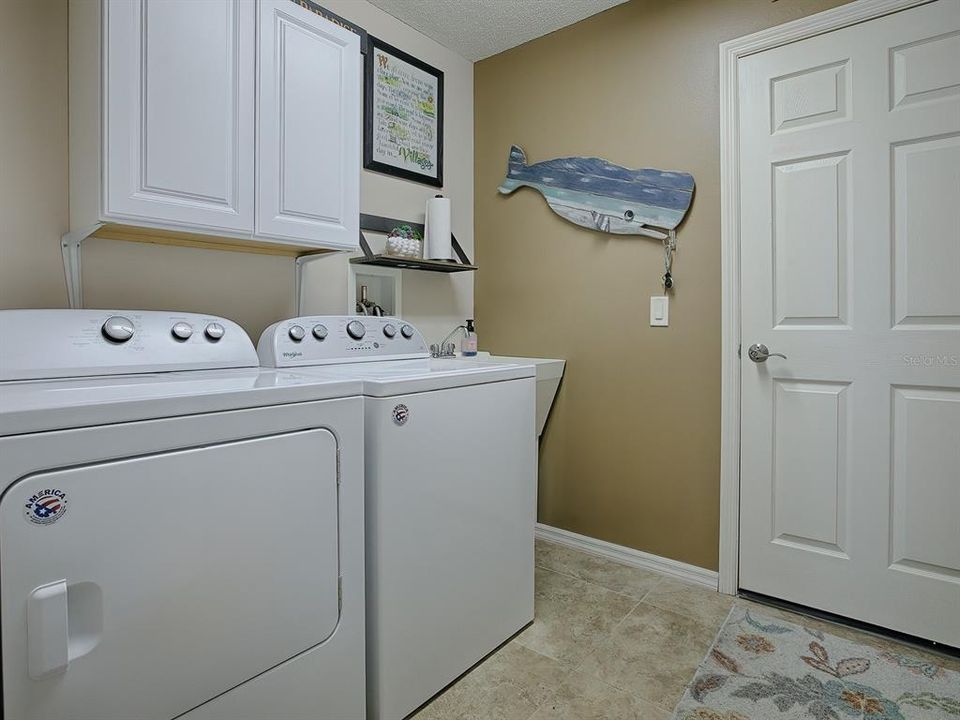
(181, 533)
(450, 453)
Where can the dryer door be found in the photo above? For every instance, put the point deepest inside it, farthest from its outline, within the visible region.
(143, 587)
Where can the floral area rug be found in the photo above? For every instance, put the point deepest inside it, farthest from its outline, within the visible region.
(761, 668)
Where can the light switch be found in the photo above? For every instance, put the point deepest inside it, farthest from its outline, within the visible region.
(659, 311)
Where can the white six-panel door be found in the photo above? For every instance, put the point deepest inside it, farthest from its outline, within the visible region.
(308, 127)
(179, 139)
(850, 266)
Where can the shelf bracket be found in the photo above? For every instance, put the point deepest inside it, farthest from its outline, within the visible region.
(458, 249)
(70, 247)
(365, 246)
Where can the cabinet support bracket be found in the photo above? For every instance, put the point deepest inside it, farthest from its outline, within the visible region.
(70, 247)
(298, 265)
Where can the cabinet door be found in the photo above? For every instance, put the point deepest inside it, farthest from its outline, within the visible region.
(179, 112)
(308, 132)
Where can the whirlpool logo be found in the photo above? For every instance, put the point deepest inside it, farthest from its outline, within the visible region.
(293, 354)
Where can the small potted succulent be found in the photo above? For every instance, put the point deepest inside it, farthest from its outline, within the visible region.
(405, 241)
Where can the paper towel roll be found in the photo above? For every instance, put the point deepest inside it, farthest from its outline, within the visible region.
(436, 243)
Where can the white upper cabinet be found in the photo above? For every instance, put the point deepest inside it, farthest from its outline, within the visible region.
(179, 112)
(231, 118)
(308, 132)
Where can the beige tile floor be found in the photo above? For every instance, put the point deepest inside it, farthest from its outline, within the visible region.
(609, 642)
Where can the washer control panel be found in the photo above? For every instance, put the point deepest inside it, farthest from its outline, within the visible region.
(330, 339)
(39, 344)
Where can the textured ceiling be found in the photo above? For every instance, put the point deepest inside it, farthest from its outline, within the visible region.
(477, 29)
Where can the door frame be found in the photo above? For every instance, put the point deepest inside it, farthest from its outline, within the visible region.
(730, 54)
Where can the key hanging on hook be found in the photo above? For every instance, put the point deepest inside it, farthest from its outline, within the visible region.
(669, 246)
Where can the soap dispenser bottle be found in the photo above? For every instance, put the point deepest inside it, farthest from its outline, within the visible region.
(468, 346)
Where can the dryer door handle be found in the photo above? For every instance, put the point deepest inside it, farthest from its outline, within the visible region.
(48, 637)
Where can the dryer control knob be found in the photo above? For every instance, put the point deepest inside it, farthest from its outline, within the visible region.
(214, 331)
(389, 330)
(182, 330)
(118, 329)
(356, 330)
(320, 332)
(407, 331)
(296, 333)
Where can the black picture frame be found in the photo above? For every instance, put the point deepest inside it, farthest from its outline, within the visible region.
(369, 75)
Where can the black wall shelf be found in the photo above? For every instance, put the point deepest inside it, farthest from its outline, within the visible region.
(379, 224)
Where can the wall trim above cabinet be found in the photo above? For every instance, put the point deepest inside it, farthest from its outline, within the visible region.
(190, 124)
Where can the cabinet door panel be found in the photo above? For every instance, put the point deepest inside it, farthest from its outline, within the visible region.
(308, 136)
(179, 111)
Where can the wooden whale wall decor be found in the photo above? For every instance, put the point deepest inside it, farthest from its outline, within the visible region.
(596, 194)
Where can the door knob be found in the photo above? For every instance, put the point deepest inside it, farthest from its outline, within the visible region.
(758, 352)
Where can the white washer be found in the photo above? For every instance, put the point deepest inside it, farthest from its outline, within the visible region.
(181, 533)
(451, 479)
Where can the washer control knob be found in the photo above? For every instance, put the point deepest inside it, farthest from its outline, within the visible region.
(389, 330)
(407, 331)
(296, 333)
(356, 330)
(118, 329)
(182, 330)
(214, 331)
(320, 332)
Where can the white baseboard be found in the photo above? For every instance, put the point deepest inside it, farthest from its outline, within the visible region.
(629, 556)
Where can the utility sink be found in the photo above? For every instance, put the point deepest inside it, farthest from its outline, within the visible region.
(549, 373)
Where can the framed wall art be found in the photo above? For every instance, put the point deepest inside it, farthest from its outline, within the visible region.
(402, 115)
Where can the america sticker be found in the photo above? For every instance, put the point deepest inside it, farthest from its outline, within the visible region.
(46, 506)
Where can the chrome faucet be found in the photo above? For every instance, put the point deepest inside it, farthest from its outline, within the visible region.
(445, 348)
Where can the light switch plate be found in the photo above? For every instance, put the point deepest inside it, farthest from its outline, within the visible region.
(659, 311)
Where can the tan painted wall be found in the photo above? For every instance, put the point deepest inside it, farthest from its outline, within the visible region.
(631, 453)
(33, 152)
(254, 290)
